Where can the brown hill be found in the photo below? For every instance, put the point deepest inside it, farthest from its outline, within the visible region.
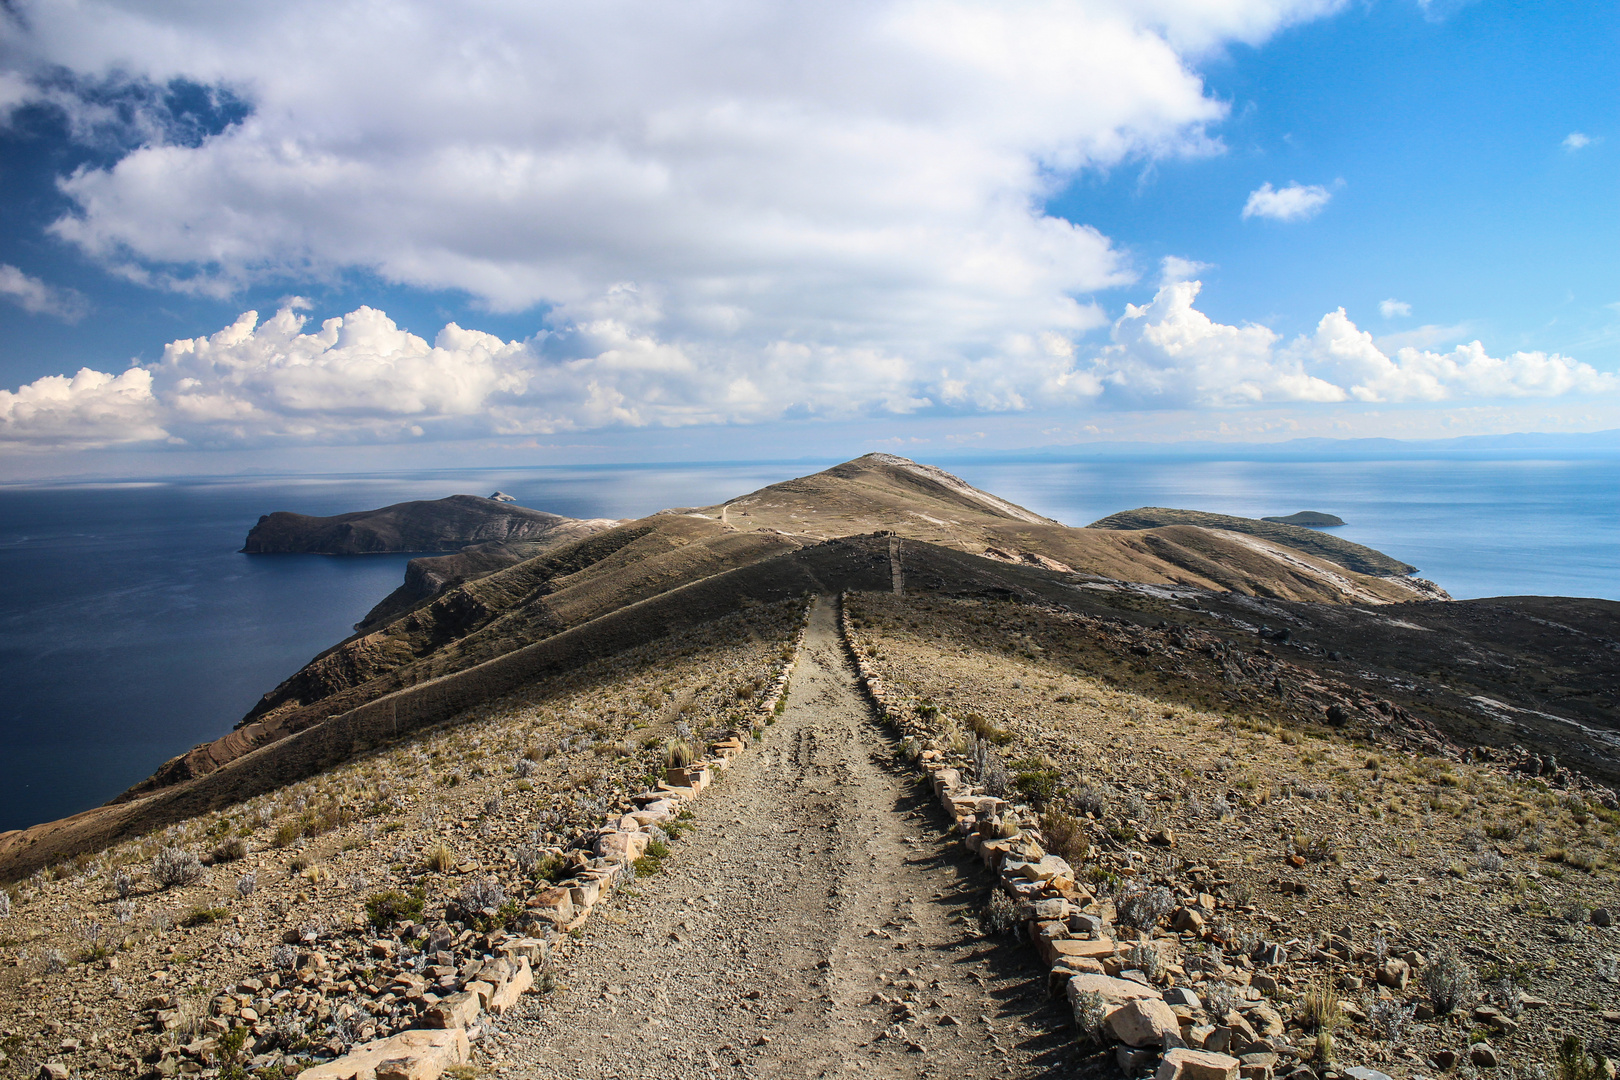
(441, 525)
(437, 644)
(1363, 560)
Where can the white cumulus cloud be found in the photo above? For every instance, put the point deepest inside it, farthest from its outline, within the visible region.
(1392, 307)
(1347, 355)
(1576, 141)
(1295, 202)
(35, 296)
(361, 378)
(81, 411)
(1168, 353)
(860, 177)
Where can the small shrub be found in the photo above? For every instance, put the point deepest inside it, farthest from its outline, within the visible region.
(1094, 800)
(230, 851)
(1220, 998)
(1321, 1007)
(1146, 958)
(176, 866)
(124, 884)
(204, 916)
(1389, 1019)
(1449, 982)
(1035, 781)
(439, 858)
(1316, 847)
(678, 754)
(1091, 1015)
(286, 833)
(1574, 1063)
(384, 909)
(283, 957)
(481, 896)
(986, 731)
(1141, 906)
(991, 773)
(5, 904)
(999, 915)
(247, 884)
(1065, 836)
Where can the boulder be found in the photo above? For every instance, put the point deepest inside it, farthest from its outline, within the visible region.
(1115, 992)
(508, 992)
(1179, 1063)
(1394, 974)
(1266, 1020)
(1070, 948)
(554, 903)
(410, 1055)
(1145, 1022)
(1180, 995)
(622, 846)
(455, 1011)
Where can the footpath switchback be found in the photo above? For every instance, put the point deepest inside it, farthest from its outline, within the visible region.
(816, 922)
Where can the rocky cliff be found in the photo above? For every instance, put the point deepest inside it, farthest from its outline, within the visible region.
(439, 525)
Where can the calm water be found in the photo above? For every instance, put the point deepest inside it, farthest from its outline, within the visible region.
(131, 630)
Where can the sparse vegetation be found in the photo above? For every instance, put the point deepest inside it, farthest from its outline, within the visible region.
(175, 867)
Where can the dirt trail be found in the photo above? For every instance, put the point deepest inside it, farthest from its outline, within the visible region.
(782, 936)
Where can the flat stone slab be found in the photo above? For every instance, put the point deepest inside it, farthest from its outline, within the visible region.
(428, 1053)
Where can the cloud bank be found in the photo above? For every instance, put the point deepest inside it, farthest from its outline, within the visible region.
(362, 379)
(854, 179)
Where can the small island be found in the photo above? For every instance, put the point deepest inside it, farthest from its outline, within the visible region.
(1310, 519)
(441, 525)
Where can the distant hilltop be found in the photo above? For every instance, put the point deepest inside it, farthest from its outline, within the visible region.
(441, 525)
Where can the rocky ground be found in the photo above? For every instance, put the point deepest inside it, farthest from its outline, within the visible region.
(1355, 869)
(1040, 800)
(104, 970)
(817, 924)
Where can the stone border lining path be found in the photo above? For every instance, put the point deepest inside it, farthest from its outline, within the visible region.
(1061, 918)
(426, 1052)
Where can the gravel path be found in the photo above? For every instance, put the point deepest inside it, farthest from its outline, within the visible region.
(815, 923)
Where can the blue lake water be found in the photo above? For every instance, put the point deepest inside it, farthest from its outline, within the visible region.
(131, 629)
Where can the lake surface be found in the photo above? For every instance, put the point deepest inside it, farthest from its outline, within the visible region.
(131, 629)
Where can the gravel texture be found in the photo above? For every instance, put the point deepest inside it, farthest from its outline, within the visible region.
(814, 923)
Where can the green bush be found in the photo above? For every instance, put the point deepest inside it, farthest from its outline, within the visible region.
(384, 909)
(202, 916)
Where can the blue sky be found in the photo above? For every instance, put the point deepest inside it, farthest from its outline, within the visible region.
(725, 231)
